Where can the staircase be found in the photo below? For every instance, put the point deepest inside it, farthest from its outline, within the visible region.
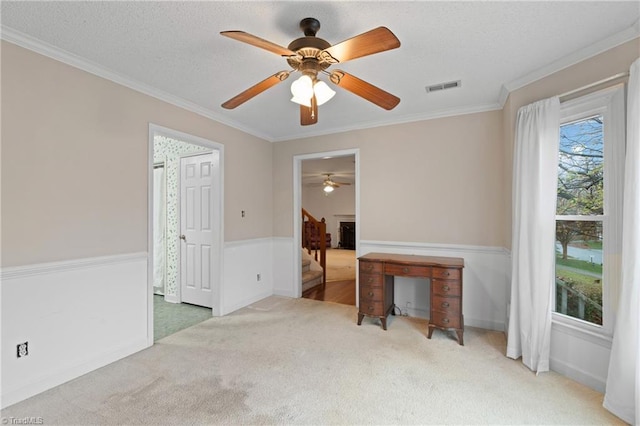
(310, 278)
(314, 239)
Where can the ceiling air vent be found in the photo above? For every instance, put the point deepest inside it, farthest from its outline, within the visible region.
(443, 86)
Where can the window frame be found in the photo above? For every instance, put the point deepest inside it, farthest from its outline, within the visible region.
(609, 103)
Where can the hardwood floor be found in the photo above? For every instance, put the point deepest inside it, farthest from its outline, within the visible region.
(335, 291)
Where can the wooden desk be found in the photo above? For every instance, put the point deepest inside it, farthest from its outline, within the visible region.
(445, 273)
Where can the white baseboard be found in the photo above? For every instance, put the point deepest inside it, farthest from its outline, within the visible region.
(79, 314)
(481, 323)
(577, 374)
(64, 374)
(246, 302)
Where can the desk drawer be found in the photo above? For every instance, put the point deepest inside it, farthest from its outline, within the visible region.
(445, 320)
(450, 305)
(370, 280)
(446, 274)
(446, 288)
(370, 267)
(407, 270)
(368, 293)
(369, 307)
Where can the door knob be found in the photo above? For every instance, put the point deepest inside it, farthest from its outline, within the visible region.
(182, 237)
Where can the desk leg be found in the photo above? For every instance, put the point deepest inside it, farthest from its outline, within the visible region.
(384, 323)
(360, 316)
(459, 333)
(431, 327)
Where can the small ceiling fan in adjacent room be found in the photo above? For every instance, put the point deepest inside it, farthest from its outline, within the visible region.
(329, 184)
(311, 56)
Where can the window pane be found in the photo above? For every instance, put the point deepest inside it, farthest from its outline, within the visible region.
(579, 269)
(580, 169)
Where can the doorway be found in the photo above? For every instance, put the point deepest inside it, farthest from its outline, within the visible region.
(181, 157)
(339, 207)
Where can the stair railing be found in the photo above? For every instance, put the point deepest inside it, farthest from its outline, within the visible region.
(312, 226)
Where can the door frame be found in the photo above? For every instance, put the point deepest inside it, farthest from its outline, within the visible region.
(156, 130)
(297, 206)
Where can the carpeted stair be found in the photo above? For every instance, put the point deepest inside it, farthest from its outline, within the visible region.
(310, 278)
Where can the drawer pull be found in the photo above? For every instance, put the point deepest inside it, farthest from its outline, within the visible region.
(370, 280)
(445, 304)
(405, 270)
(371, 308)
(369, 267)
(446, 273)
(370, 294)
(445, 288)
(445, 320)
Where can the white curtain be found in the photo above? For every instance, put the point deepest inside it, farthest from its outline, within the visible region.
(623, 380)
(535, 174)
(159, 230)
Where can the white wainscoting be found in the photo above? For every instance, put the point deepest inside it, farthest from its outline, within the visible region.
(284, 269)
(485, 280)
(580, 355)
(77, 316)
(243, 261)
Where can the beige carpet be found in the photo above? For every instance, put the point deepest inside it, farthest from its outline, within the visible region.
(299, 361)
(341, 265)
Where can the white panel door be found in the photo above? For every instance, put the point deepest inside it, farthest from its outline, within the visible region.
(198, 253)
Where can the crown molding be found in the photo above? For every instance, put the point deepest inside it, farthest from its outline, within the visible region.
(23, 40)
(603, 45)
(30, 43)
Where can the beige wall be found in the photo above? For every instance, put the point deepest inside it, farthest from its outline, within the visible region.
(596, 68)
(433, 181)
(74, 163)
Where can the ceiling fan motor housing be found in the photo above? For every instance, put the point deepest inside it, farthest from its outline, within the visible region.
(308, 48)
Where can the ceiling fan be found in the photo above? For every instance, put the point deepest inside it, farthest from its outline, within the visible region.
(329, 184)
(311, 55)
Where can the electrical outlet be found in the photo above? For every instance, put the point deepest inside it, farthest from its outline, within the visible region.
(22, 349)
(258, 277)
(242, 213)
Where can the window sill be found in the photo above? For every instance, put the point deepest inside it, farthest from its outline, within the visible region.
(586, 332)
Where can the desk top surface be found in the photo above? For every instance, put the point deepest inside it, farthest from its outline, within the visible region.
(411, 259)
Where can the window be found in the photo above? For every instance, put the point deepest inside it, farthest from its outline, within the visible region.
(588, 209)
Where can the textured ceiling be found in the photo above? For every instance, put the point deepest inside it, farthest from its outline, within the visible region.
(174, 51)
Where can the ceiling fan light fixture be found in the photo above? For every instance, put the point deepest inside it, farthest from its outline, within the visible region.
(328, 189)
(302, 101)
(302, 90)
(323, 92)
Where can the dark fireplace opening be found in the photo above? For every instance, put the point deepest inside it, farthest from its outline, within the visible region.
(347, 235)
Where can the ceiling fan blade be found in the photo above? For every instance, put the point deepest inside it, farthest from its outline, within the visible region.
(256, 90)
(377, 40)
(366, 90)
(309, 115)
(258, 42)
